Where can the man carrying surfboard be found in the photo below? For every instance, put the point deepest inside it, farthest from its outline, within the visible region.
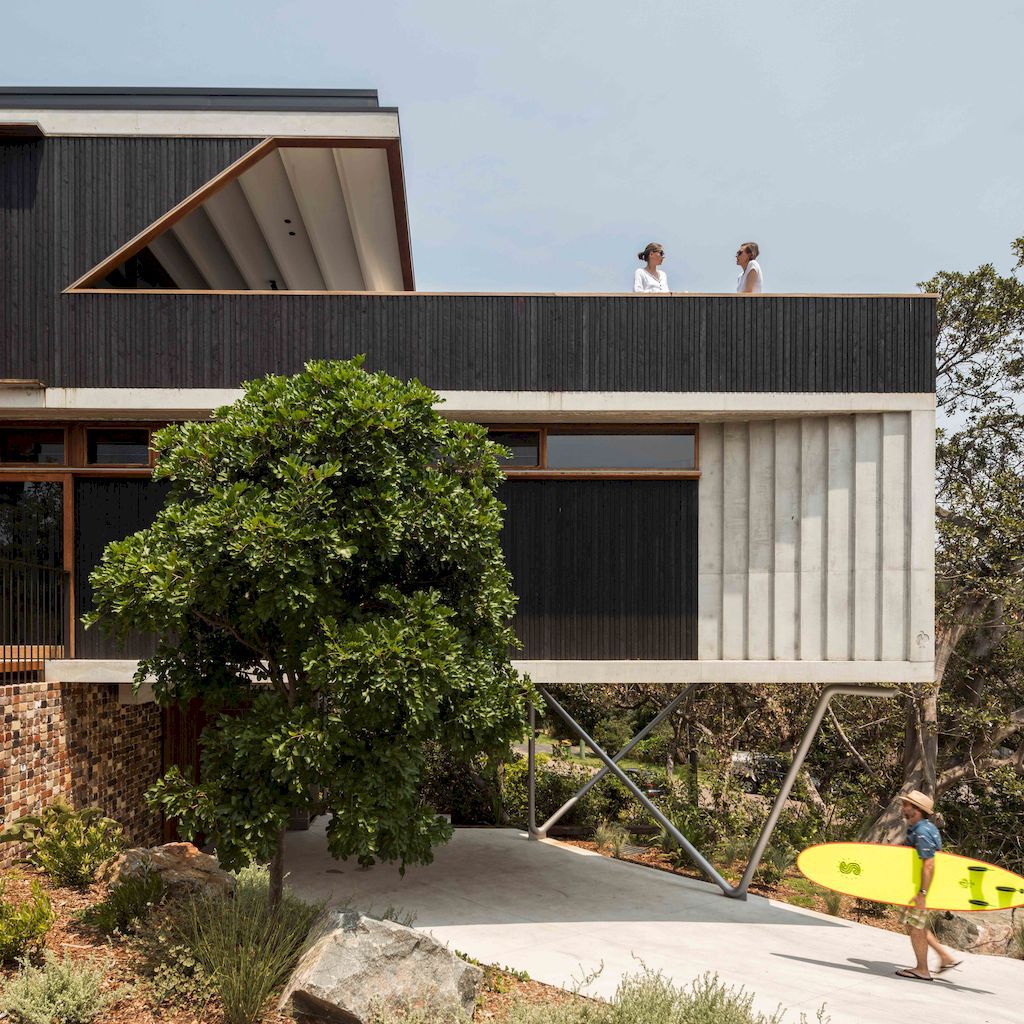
(923, 835)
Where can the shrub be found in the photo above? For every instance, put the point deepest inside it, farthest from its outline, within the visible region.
(607, 801)
(68, 845)
(175, 976)
(612, 734)
(833, 901)
(776, 862)
(127, 901)
(59, 991)
(611, 836)
(23, 926)
(248, 949)
(650, 998)
(652, 749)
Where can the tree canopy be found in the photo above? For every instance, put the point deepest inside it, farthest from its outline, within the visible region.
(327, 574)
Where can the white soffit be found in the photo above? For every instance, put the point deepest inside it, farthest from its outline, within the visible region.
(368, 124)
(302, 218)
(490, 406)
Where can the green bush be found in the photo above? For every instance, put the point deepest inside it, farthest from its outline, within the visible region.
(611, 836)
(127, 901)
(652, 749)
(609, 800)
(612, 734)
(23, 926)
(245, 947)
(59, 992)
(650, 998)
(175, 977)
(776, 861)
(68, 845)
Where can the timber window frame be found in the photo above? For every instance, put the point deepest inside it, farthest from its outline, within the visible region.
(542, 471)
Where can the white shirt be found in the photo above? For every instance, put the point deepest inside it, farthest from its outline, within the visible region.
(645, 281)
(753, 269)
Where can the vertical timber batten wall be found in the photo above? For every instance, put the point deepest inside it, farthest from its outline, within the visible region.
(817, 539)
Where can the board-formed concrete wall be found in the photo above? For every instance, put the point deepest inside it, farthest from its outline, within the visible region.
(816, 539)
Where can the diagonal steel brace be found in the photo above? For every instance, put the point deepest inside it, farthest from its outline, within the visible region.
(611, 767)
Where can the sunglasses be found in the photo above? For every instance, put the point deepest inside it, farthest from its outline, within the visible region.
(742, 252)
(657, 252)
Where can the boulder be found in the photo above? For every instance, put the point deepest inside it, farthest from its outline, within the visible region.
(357, 963)
(182, 867)
(981, 931)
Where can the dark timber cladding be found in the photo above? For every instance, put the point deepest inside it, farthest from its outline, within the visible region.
(604, 569)
(68, 203)
(108, 510)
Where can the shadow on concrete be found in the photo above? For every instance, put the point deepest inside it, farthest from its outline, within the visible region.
(886, 969)
(498, 876)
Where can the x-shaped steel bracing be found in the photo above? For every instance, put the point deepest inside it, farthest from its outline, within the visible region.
(611, 767)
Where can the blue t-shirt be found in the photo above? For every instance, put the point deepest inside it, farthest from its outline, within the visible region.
(924, 837)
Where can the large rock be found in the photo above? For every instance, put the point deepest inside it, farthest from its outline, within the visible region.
(182, 867)
(981, 931)
(358, 962)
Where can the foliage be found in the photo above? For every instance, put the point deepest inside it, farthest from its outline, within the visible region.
(60, 992)
(174, 975)
(652, 749)
(774, 864)
(651, 998)
(24, 926)
(329, 558)
(246, 948)
(610, 835)
(469, 789)
(128, 901)
(607, 801)
(68, 845)
(833, 901)
(612, 734)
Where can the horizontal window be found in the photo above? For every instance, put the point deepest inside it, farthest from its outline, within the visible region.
(117, 447)
(38, 447)
(594, 451)
(620, 451)
(523, 444)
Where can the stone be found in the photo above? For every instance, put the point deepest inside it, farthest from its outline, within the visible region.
(357, 963)
(182, 867)
(981, 931)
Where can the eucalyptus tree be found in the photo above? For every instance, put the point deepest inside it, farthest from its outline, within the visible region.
(327, 575)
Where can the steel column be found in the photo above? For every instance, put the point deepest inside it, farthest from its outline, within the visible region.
(595, 779)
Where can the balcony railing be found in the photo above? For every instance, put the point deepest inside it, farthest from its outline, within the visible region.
(34, 611)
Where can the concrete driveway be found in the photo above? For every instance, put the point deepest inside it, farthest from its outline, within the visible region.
(561, 914)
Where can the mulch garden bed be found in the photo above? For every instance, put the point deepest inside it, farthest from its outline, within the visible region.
(122, 964)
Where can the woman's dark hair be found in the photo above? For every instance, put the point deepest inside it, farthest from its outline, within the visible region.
(752, 249)
(648, 249)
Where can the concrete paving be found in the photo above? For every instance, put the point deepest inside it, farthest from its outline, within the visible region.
(561, 914)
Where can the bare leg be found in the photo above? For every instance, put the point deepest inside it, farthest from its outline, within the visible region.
(919, 940)
(945, 957)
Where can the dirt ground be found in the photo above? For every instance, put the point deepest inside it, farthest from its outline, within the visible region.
(121, 963)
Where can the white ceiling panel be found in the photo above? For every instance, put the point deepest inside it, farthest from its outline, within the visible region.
(229, 211)
(317, 191)
(169, 251)
(366, 185)
(270, 196)
(200, 240)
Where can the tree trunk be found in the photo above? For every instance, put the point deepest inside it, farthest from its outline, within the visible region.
(277, 873)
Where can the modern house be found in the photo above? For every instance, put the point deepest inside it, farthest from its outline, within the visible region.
(704, 488)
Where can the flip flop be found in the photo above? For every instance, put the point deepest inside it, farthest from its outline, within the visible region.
(949, 967)
(905, 972)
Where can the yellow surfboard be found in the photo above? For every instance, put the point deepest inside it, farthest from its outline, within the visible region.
(892, 874)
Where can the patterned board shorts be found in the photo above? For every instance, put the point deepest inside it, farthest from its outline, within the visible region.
(911, 917)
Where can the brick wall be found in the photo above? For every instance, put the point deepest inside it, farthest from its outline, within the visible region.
(75, 740)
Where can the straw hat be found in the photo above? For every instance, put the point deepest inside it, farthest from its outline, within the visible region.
(917, 799)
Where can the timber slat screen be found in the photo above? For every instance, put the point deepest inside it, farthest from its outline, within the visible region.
(604, 569)
(33, 612)
(107, 510)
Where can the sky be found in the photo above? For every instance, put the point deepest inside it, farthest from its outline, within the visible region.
(864, 145)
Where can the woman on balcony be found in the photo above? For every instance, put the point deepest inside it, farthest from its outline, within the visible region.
(751, 280)
(651, 278)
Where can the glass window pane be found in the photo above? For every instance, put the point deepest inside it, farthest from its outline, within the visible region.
(32, 523)
(34, 446)
(118, 447)
(620, 451)
(525, 446)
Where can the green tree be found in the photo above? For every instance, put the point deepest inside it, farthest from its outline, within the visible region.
(957, 728)
(328, 560)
